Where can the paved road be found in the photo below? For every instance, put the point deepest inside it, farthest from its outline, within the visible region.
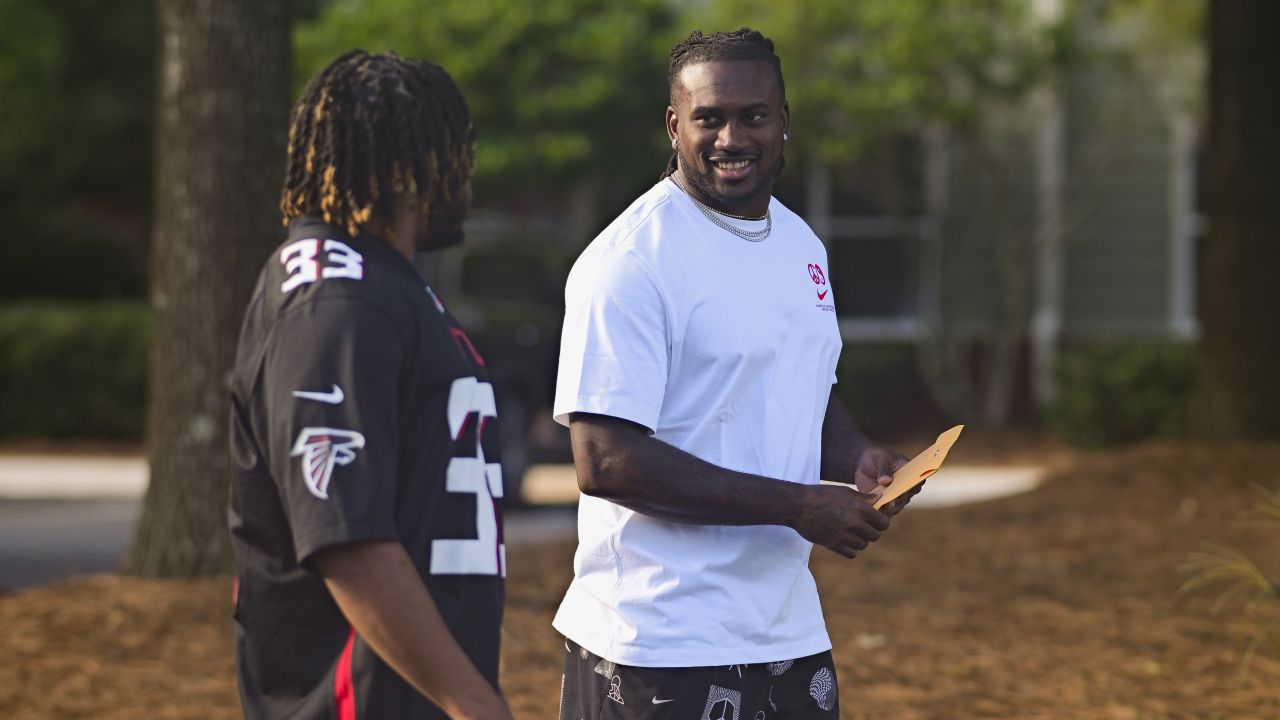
(42, 541)
(46, 540)
(66, 515)
(61, 516)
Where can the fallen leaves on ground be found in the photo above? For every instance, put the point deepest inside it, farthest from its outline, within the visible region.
(1059, 603)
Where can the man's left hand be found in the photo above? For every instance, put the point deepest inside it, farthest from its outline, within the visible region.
(876, 467)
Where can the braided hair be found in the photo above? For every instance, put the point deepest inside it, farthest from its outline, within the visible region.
(741, 44)
(372, 129)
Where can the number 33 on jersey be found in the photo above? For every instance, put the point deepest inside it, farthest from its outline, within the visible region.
(303, 262)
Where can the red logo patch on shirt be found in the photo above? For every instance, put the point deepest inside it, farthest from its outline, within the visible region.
(820, 279)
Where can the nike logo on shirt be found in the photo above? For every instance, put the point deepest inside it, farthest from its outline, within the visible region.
(656, 701)
(333, 397)
(823, 295)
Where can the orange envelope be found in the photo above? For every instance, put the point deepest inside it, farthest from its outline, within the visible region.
(919, 467)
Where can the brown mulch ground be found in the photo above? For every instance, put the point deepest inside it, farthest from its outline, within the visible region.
(1060, 603)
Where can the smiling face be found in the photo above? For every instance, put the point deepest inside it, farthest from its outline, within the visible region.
(728, 119)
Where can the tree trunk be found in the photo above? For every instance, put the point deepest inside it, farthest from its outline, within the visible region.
(1237, 385)
(222, 115)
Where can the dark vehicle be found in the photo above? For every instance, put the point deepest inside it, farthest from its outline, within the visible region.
(506, 286)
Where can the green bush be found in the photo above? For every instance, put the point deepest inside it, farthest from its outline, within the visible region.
(73, 370)
(1118, 392)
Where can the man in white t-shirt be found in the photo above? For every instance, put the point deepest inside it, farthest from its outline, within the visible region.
(696, 371)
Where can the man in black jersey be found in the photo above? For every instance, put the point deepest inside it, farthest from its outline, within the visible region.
(366, 500)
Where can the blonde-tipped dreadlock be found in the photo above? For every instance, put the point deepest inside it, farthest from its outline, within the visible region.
(374, 127)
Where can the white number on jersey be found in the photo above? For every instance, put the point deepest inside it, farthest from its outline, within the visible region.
(301, 261)
(472, 401)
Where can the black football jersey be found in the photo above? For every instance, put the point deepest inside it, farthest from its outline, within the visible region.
(360, 412)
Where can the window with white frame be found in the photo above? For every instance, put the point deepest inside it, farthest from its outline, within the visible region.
(872, 216)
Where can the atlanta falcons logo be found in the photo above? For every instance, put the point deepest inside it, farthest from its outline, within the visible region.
(321, 448)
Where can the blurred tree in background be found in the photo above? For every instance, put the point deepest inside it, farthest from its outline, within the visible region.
(862, 76)
(75, 130)
(859, 72)
(1237, 385)
(221, 120)
(566, 95)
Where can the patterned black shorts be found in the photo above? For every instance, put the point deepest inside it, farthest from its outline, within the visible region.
(595, 689)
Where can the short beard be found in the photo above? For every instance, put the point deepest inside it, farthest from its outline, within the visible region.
(439, 239)
(441, 232)
(707, 189)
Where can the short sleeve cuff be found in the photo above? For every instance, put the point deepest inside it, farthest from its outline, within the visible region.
(599, 405)
(317, 540)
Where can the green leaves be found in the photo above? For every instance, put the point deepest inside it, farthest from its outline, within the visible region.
(856, 71)
(563, 89)
(33, 46)
(557, 89)
(1154, 378)
(73, 370)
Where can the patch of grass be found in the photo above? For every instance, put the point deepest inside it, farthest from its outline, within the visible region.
(1242, 584)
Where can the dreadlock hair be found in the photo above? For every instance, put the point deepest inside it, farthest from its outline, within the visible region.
(374, 128)
(741, 44)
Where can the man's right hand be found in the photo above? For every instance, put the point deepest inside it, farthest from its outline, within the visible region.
(840, 519)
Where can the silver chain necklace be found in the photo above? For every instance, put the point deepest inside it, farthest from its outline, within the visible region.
(721, 219)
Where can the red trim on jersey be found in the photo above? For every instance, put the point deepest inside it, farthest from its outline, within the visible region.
(466, 423)
(315, 259)
(464, 343)
(344, 690)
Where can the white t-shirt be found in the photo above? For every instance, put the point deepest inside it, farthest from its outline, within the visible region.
(725, 349)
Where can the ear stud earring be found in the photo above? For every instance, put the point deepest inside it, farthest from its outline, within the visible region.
(785, 137)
